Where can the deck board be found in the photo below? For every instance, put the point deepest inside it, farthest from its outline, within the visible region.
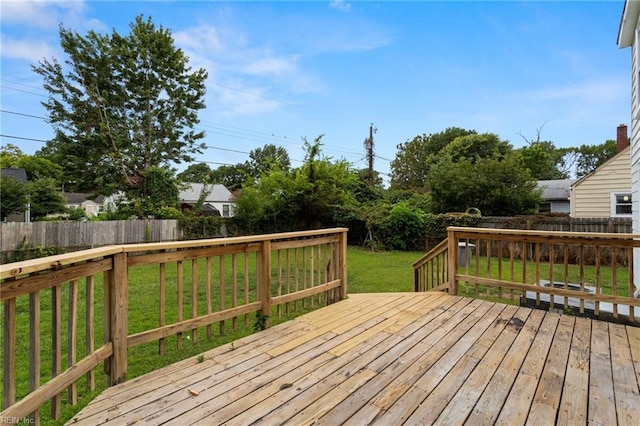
(397, 358)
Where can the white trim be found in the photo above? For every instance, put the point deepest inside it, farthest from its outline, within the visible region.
(635, 80)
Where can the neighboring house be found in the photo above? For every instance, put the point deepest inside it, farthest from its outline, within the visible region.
(21, 176)
(217, 197)
(92, 204)
(555, 195)
(606, 192)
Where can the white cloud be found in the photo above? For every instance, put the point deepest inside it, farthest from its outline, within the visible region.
(269, 65)
(245, 76)
(41, 13)
(203, 38)
(609, 89)
(340, 5)
(29, 50)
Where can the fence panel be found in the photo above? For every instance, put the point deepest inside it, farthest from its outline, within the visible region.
(78, 235)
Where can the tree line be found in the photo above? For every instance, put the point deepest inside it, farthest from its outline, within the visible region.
(124, 107)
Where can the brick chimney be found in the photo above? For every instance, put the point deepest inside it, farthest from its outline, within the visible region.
(622, 140)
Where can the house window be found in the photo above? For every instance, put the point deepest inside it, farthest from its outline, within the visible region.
(544, 207)
(225, 210)
(621, 204)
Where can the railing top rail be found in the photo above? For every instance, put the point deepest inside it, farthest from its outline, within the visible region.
(130, 248)
(440, 248)
(535, 233)
(55, 262)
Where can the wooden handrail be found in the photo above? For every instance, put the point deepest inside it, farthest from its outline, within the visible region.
(430, 271)
(315, 263)
(510, 264)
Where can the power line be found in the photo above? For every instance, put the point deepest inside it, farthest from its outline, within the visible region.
(24, 91)
(23, 114)
(24, 139)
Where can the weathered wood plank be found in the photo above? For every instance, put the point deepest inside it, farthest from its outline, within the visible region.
(575, 394)
(346, 324)
(422, 376)
(518, 402)
(147, 394)
(601, 395)
(633, 334)
(488, 407)
(546, 401)
(308, 390)
(625, 385)
(429, 358)
(460, 405)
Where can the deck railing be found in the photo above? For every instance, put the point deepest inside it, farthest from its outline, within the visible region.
(75, 307)
(580, 273)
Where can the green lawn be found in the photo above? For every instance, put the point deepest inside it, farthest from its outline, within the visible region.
(379, 272)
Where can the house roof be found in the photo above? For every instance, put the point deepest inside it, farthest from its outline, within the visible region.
(217, 193)
(81, 197)
(628, 23)
(557, 189)
(19, 174)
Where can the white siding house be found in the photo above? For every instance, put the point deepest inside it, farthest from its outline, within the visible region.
(216, 196)
(92, 204)
(555, 195)
(629, 36)
(605, 192)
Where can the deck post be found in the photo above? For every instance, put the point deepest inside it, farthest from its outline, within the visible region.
(452, 261)
(117, 318)
(264, 285)
(343, 266)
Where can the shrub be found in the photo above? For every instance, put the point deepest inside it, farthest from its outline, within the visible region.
(403, 228)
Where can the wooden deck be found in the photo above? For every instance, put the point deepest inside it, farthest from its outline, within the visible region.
(389, 359)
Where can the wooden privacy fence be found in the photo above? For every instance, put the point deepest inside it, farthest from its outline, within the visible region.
(560, 223)
(75, 307)
(72, 234)
(582, 273)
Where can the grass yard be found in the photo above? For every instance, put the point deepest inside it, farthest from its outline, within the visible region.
(380, 272)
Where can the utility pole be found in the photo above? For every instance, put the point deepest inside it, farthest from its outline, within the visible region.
(368, 145)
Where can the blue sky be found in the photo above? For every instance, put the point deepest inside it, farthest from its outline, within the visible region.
(280, 71)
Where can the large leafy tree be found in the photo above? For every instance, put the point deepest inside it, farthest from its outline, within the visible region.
(303, 198)
(232, 177)
(410, 167)
(474, 147)
(36, 167)
(121, 104)
(545, 161)
(496, 186)
(589, 157)
(197, 172)
(14, 196)
(45, 198)
(270, 157)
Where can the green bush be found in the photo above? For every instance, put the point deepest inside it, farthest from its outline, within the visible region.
(198, 227)
(403, 228)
